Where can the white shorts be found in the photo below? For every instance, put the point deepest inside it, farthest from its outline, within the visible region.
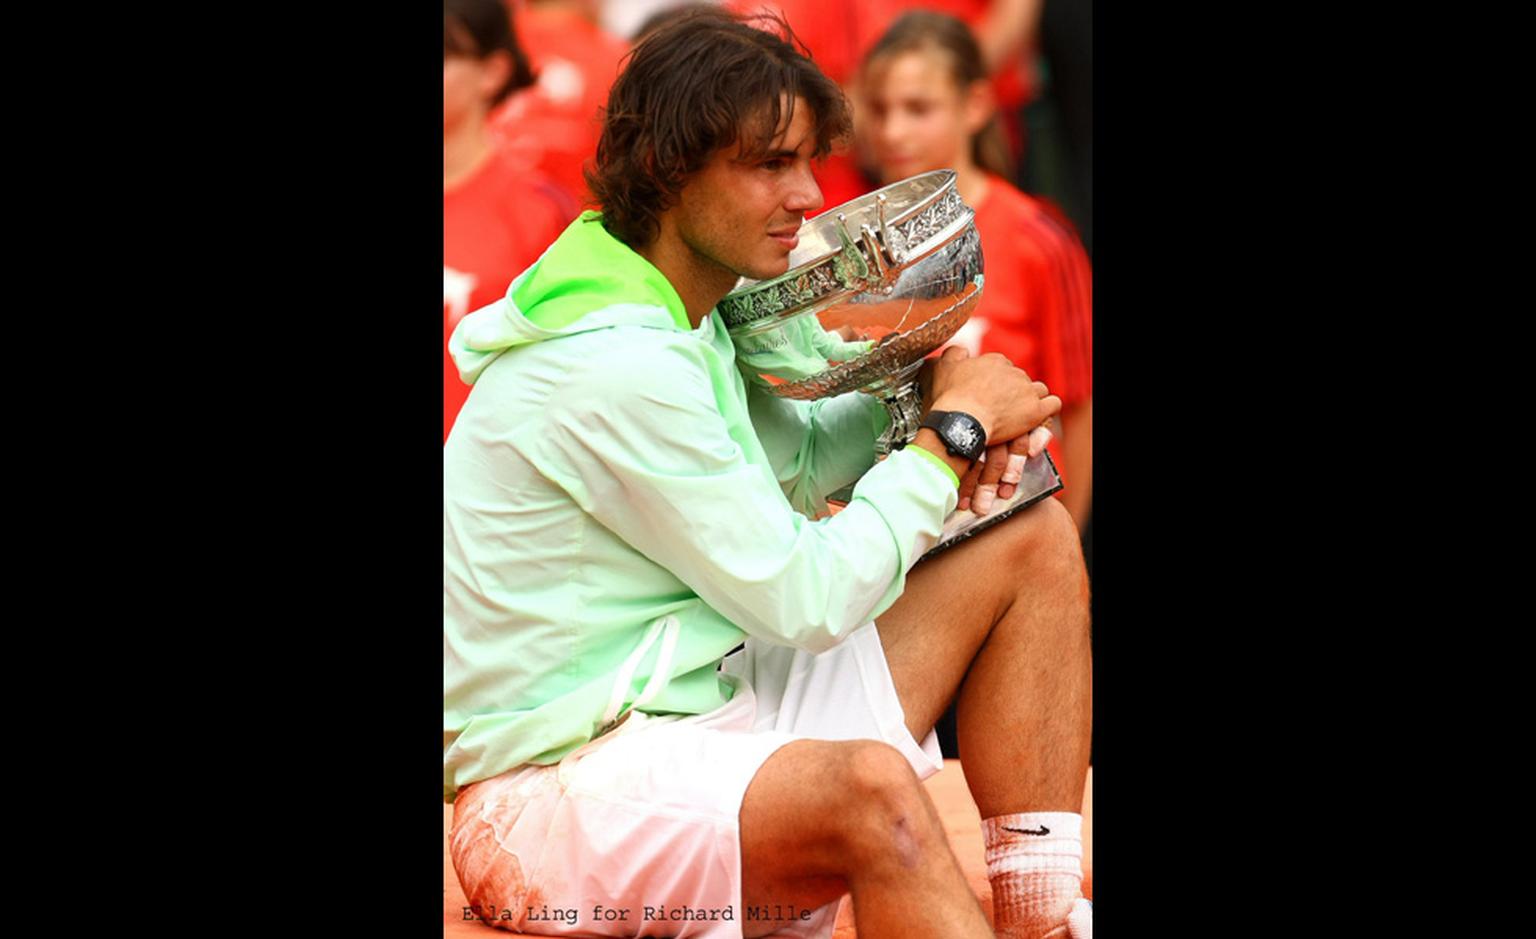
(636, 833)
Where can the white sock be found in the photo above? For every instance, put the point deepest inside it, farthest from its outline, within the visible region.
(1035, 864)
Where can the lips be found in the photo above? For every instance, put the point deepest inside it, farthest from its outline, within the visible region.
(789, 237)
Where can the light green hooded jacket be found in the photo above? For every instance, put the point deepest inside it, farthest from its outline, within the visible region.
(620, 511)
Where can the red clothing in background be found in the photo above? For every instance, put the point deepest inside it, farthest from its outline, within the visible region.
(496, 223)
(839, 33)
(555, 125)
(1037, 305)
(839, 180)
(830, 29)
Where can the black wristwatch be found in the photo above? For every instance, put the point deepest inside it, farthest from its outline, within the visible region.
(962, 434)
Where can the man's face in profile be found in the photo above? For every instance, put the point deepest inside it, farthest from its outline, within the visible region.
(741, 211)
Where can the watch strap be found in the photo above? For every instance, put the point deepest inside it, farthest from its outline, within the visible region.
(939, 423)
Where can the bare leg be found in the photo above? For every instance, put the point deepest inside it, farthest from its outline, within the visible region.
(822, 818)
(1002, 620)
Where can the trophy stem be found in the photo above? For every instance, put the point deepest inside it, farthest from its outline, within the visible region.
(905, 407)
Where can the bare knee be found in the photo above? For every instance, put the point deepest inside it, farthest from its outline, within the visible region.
(1044, 568)
(1048, 528)
(1042, 544)
(871, 770)
(886, 816)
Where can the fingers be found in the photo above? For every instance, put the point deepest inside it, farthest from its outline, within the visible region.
(968, 482)
(937, 374)
(993, 463)
(1018, 451)
(1037, 440)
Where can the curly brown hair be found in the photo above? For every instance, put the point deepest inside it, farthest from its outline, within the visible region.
(698, 84)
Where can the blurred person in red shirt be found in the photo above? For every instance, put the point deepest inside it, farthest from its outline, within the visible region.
(498, 215)
(555, 125)
(839, 33)
(929, 106)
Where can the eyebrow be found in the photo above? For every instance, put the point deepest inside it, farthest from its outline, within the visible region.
(782, 153)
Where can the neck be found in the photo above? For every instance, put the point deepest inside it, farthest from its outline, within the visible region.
(464, 149)
(699, 283)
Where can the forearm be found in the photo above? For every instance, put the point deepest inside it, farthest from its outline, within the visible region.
(817, 449)
(774, 573)
(648, 453)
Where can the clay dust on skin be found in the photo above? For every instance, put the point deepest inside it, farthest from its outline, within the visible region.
(491, 877)
(500, 881)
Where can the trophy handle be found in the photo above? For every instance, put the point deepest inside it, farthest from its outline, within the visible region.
(866, 262)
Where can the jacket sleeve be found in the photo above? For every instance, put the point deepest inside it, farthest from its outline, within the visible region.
(639, 440)
(817, 447)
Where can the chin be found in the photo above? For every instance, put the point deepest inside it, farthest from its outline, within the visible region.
(768, 269)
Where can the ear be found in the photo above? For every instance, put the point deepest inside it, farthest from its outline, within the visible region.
(979, 106)
(495, 69)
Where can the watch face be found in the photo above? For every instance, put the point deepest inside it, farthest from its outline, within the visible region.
(964, 434)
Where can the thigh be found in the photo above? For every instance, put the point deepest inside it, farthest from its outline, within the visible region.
(844, 693)
(950, 604)
(499, 832)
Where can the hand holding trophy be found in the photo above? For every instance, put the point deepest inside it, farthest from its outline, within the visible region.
(901, 266)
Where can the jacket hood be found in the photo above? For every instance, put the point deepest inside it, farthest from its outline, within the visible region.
(586, 280)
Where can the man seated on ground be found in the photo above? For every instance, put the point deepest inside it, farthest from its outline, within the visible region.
(619, 514)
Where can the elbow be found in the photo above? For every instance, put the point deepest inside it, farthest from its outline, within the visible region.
(811, 634)
(793, 628)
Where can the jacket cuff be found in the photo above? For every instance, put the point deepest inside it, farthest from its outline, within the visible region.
(937, 461)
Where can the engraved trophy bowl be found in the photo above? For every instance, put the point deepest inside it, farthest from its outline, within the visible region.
(874, 285)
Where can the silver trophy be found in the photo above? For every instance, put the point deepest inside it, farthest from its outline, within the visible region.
(898, 270)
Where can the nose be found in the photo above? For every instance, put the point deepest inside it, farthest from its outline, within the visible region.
(804, 196)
